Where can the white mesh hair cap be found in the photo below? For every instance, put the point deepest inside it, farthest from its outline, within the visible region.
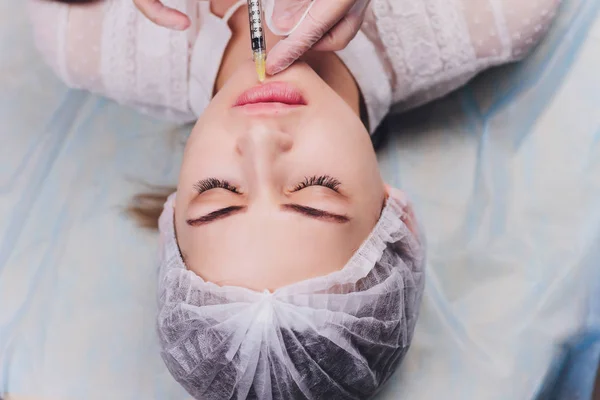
(339, 336)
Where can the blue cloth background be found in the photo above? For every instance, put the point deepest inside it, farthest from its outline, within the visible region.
(505, 175)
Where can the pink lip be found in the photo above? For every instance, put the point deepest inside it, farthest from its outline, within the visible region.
(277, 93)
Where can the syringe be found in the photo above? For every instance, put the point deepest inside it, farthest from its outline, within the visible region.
(257, 38)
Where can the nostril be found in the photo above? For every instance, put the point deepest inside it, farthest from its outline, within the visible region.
(286, 142)
(263, 139)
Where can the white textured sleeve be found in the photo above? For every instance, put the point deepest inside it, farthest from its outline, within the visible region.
(69, 39)
(108, 47)
(506, 30)
(434, 46)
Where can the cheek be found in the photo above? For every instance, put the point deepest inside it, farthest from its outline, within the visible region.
(205, 159)
(350, 153)
(343, 145)
(209, 142)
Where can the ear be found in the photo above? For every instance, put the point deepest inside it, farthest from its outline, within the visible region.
(409, 218)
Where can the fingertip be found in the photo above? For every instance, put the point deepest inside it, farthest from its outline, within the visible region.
(179, 21)
(274, 69)
(183, 24)
(269, 68)
(274, 64)
(278, 65)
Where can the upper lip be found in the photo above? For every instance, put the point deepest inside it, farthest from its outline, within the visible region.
(273, 92)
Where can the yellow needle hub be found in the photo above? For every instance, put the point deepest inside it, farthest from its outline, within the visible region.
(260, 62)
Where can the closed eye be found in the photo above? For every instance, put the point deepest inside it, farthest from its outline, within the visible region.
(205, 185)
(323, 180)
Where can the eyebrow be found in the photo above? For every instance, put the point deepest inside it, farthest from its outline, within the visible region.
(297, 208)
(316, 213)
(216, 215)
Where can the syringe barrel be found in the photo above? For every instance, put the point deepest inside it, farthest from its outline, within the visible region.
(257, 32)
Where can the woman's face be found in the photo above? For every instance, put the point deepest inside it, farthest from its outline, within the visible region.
(279, 182)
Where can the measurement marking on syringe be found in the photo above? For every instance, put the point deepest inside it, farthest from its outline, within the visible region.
(257, 37)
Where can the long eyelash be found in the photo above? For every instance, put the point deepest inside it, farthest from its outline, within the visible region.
(323, 180)
(214, 183)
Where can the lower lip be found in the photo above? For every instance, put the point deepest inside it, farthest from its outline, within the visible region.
(266, 108)
(274, 94)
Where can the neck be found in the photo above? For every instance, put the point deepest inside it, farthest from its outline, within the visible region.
(326, 64)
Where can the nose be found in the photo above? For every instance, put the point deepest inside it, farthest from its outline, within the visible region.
(264, 140)
(261, 148)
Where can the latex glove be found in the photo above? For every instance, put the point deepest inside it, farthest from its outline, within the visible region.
(162, 15)
(324, 25)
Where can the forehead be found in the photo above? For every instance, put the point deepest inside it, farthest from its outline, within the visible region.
(269, 253)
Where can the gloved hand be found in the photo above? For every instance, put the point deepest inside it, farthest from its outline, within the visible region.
(162, 15)
(324, 25)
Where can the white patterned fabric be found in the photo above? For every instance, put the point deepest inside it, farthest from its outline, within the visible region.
(338, 336)
(408, 52)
